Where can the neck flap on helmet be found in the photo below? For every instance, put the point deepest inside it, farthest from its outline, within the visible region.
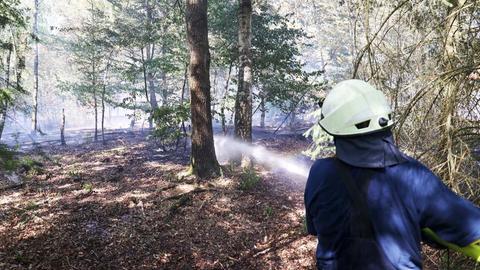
(375, 150)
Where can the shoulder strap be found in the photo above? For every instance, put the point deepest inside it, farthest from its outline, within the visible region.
(361, 223)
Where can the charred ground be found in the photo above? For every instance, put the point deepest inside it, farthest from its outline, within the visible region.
(123, 206)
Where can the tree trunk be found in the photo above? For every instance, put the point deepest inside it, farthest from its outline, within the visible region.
(4, 103)
(182, 97)
(134, 118)
(243, 102)
(103, 114)
(62, 129)
(203, 159)
(151, 87)
(3, 116)
(145, 83)
(163, 76)
(214, 95)
(105, 79)
(293, 119)
(262, 111)
(224, 100)
(95, 105)
(150, 52)
(35, 70)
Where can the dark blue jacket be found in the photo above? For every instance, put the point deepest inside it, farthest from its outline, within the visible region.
(402, 199)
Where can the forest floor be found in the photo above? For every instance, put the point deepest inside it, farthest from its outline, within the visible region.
(124, 206)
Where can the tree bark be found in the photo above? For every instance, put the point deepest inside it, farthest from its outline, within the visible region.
(203, 159)
(35, 70)
(263, 110)
(150, 51)
(62, 129)
(134, 98)
(243, 102)
(4, 103)
(145, 83)
(95, 105)
(104, 90)
(293, 119)
(151, 86)
(103, 114)
(224, 100)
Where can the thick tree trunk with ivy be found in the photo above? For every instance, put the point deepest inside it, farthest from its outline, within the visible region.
(203, 159)
(243, 102)
(35, 69)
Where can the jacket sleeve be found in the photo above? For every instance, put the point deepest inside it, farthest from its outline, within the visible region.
(451, 217)
(308, 215)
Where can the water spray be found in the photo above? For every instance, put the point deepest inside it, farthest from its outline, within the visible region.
(227, 147)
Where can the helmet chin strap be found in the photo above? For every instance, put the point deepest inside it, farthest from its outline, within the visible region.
(375, 150)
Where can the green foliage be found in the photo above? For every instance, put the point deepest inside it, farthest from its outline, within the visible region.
(249, 179)
(10, 14)
(277, 71)
(304, 224)
(92, 49)
(322, 143)
(87, 187)
(8, 160)
(31, 206)
(13, 44)
(75, 175)
(31, 165)
(268, 211)
(168, 120)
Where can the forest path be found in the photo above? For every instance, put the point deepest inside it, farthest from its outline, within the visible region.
(123, 206)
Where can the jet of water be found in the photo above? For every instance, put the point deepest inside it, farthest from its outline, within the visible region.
(227, 147)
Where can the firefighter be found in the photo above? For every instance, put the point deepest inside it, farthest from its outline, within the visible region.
(371, 205)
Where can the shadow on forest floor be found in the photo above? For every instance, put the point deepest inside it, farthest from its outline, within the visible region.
(122, 206)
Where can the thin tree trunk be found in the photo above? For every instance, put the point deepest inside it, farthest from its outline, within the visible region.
(105, 79)
(214, 96)
(203, 159)
(103, 114)
(62, 129)
(182, 97)
(150, 52)
(243, 103)
(224, 99)
(3, 116)
(35, 69)
(134, 118)
(95, 105)
(262, 110)
(293, 119)
(163, 76)
(144, 69)
(151, 87)
(4, 103)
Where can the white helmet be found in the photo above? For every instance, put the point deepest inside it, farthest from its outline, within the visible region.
(354, 107)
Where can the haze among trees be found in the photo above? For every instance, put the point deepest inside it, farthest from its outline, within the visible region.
(120, 109)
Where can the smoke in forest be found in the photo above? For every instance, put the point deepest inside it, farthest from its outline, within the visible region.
(227, 147)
